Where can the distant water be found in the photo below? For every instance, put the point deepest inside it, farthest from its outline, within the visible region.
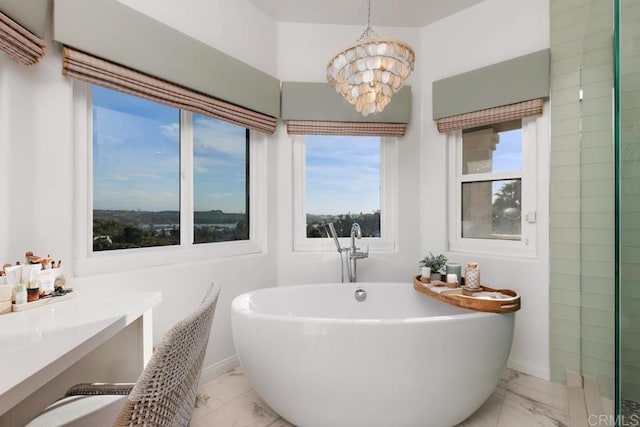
(166, 226)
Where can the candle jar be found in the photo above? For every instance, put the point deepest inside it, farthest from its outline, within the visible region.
(452, 268)
(425, 275)
(452, 280)
(472, 277)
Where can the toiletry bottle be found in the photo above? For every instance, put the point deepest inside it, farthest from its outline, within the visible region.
(21, 294)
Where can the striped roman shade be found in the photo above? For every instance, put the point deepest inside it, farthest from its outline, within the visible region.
(311, 127)
(114, 76)
(19, 43)
(491, 116)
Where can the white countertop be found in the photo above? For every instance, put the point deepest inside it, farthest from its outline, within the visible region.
(36, 345)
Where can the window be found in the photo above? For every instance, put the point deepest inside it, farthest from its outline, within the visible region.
(341, 180)
(493, 188)
(159, 178)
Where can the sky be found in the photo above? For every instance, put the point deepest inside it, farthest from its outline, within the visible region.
(508, 154)
(342, 174)
(136, 157)
(507, 157)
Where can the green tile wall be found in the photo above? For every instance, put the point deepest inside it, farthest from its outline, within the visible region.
(629, 57)
(582, 191)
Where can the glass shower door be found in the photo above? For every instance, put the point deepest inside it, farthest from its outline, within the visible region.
(628, 209)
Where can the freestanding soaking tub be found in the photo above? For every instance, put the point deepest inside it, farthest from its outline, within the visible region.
(319, 357)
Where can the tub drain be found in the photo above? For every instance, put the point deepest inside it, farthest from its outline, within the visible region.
(360, 294)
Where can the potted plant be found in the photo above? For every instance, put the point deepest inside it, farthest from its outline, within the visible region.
(436, 264)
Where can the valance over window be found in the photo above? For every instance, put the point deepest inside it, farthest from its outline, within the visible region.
(104, 73)
(500, 92)
(20, 43)
(315, 109)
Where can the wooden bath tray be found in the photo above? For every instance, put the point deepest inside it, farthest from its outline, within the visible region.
(455, 296)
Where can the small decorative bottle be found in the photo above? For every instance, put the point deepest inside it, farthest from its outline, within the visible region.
(472, 276)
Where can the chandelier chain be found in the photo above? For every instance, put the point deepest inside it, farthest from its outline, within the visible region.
(368, 32)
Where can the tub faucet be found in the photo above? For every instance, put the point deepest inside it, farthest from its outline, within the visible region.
(353, 252)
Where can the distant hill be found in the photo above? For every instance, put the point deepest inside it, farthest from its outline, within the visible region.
(123, 229)
(369, 223)
(168, 217)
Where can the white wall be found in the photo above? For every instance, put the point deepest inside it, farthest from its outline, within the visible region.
(489, 32)
(37, 157)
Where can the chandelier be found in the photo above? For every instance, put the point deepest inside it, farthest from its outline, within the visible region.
(370, 71)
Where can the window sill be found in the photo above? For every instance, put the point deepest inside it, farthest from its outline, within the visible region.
(503, 249)
(135, 259)
(328, 245)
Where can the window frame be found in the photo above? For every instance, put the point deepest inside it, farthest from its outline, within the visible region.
(89, 262)
(526, 246)
(388, 202)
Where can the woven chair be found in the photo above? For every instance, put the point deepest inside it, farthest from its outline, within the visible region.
(165, 392)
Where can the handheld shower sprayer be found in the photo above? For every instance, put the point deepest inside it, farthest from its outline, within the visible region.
(332, 233)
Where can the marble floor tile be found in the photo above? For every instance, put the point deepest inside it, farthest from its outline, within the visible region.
(518, 400)
(281, 422)
(200, 412)
(523, 411)
(226, 388)
(501, 388)
(509, 374)
(242, 411)
(488, 414)
(557, 390)
(557, 399)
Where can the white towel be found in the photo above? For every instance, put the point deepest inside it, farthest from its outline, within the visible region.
(443, 289)
(491, 295)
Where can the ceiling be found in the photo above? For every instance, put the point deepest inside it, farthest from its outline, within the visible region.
(393, 13)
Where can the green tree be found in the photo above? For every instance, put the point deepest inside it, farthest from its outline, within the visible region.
(506, 209)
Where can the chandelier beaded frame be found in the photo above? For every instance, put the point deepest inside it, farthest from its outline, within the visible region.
(370, 71)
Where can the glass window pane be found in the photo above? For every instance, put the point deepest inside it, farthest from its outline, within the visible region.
(220, 178)
(491, 209)
(136, 172)
(342, 184)
(497, 148)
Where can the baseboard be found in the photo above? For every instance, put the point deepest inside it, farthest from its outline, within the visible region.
(525, 368)
(213, 371)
